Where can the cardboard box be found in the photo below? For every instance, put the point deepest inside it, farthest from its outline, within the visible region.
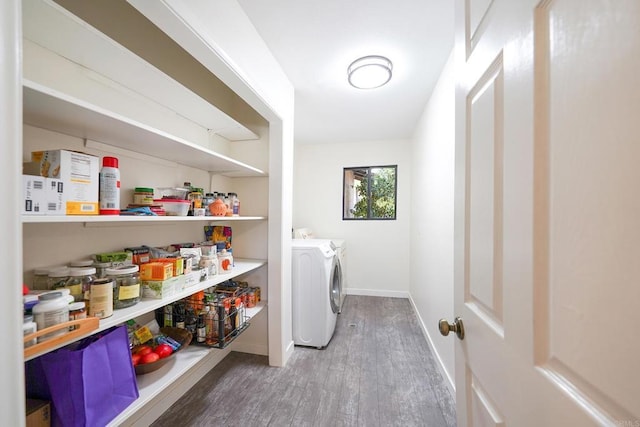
(158, 289)
(38, 413)
(55, 197)
(79, 173)
(193, 278)
(178, 264)
(156, 271)
(34, 195)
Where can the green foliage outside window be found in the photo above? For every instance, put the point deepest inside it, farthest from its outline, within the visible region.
(370, 193)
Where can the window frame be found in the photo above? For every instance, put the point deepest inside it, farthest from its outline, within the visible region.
(369, 178)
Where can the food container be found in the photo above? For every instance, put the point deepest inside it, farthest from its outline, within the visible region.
(174, 207)
(182, 336)
(143, 196)
(126, 291)
(172, 193)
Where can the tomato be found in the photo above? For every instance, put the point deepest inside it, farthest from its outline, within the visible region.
(149, 358)
(144, 349)
(163, 350)
(135, 358)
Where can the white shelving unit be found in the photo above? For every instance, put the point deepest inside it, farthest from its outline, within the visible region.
(145, 305)
(54, 110)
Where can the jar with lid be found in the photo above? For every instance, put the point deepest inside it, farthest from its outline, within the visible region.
(209, 262)
(143, 196)
(77, 310)
(126, 291)
(99, 301)
(225, 262)
(79, 282)
(101, 268)
(58, 277)
(40, 279)
(206, 201)
(52, 309)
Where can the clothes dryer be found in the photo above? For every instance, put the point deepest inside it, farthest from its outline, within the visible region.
(340, 246)
(315, 291)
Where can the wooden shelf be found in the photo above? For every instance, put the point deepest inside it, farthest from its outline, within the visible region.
(152, 384)
(241, 266)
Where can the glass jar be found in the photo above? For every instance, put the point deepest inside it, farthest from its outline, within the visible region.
(79, 282)
(101, 268)
(58, 277)
(40, 279)
(143, 196)
(225, 262)
(206, 201)
(126, 291)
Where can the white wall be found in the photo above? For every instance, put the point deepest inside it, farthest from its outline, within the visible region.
(377, 254)
(431, 241)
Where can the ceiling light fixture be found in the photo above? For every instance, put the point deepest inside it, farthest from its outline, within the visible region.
(370, 72)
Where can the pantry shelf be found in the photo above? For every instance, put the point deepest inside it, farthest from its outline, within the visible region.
(123, 219)
(241, 266)
(49, 109)
(152, 384)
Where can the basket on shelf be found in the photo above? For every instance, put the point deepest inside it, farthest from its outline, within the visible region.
(180, 335)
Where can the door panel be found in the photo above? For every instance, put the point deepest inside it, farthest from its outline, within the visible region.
(592, 257)
(547, 212)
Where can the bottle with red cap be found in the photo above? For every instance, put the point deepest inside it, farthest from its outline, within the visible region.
(109, 187)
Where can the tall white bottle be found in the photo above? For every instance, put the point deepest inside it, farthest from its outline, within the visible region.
(109, 187)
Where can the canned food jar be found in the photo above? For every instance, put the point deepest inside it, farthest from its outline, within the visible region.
(126, 291)
(143, 196)
(79, 282)
(52, 309)
(100, 298)
(77, 310)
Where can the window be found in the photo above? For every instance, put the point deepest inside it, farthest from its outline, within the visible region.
(369, 192)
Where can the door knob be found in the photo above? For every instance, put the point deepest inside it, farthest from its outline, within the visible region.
(457, 326)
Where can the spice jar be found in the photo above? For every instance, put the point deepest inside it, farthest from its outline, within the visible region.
(126, 291)
(77, 310)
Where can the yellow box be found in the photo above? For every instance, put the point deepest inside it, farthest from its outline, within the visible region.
(79, 173)
(38, 413)
(156, 271)
(178, 264)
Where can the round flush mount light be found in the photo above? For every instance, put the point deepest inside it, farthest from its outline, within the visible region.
(370, 72)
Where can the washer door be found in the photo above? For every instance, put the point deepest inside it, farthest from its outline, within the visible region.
(336, 286)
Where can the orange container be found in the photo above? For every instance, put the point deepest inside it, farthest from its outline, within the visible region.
(156, 271)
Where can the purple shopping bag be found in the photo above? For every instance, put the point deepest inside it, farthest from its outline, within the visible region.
(90, 382)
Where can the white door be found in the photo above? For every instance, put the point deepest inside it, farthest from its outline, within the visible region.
(547, 264)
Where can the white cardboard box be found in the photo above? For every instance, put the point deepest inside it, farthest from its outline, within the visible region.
(79, 173)
(55, 197)
(34, 195)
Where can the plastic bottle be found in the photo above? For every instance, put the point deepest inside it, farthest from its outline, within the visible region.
(235, 204)
(109, 187)
(52, 308)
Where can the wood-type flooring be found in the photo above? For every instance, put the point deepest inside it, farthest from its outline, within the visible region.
(377, 371)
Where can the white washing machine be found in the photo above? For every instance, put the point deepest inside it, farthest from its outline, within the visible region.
(315, 292)
(340, 246)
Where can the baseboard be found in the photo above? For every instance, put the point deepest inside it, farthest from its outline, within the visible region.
(450, 381)
(244, 347)
(377, 293)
